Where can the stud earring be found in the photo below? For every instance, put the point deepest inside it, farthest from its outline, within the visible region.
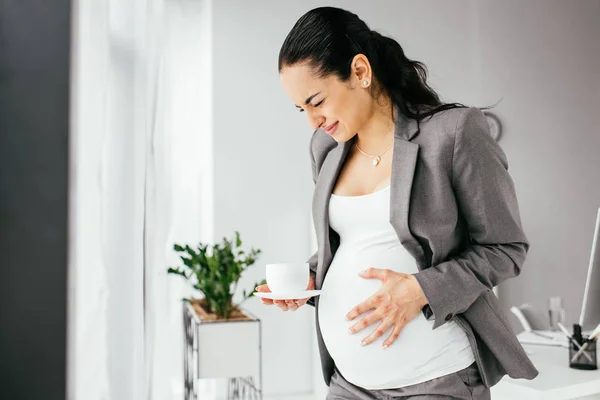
(365, 83)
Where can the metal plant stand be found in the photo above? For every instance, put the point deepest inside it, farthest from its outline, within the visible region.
(242, 388)
(238, 387)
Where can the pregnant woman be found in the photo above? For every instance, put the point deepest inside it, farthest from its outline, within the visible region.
(416, 219)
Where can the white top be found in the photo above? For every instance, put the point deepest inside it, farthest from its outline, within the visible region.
(420, 353)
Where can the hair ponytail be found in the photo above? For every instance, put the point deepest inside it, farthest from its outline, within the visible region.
(404, 80)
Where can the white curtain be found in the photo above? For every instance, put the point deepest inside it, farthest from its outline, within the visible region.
(87, 358)
(179, 175)
(107, 167)
(141, 179)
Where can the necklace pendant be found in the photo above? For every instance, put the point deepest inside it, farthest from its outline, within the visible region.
(376, 161)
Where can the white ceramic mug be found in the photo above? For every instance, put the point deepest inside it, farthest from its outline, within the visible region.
(287, 277)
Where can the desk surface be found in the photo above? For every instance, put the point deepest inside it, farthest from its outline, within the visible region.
(555, 380)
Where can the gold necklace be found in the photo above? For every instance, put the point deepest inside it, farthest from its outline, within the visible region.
(376, 159)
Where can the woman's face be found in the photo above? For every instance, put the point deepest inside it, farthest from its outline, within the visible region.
(340, 108)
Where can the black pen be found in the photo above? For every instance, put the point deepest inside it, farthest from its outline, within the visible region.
(577, 334)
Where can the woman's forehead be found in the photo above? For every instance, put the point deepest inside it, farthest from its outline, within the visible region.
(300, 81)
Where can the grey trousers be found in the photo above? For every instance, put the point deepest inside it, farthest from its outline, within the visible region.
(465, 384)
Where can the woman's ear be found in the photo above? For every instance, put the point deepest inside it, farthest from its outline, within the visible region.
(360, 70)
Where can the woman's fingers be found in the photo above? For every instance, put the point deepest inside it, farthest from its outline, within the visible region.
(290, 305)
(281, 304)
(285, 305)
(267, 302)
(366, 321)
(382, 328)
(302, 302)
(264, 289)
(296, 304)
(393, 336)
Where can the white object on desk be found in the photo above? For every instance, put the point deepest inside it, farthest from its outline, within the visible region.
(590, 307)
(545, 338)
(529, 318)
(556, 381)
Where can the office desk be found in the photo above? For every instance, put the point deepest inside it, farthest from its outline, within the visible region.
(556, 380)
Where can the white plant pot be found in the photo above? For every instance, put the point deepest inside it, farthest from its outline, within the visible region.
(223, 349)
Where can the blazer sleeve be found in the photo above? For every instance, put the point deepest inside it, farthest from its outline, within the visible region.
(487, 201)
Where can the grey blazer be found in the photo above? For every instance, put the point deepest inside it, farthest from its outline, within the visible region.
(454, 208)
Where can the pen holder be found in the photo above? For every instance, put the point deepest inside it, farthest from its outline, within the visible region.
(585, 360)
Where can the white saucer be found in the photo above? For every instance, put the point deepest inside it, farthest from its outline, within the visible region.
(297, 295)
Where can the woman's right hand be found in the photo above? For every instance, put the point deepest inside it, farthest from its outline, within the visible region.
(285, 305)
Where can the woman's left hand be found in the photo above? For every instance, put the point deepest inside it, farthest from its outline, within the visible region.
(397, 302)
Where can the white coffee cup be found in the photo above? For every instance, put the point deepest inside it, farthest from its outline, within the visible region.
(287, 277)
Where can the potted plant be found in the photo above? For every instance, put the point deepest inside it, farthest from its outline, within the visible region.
(222, 340)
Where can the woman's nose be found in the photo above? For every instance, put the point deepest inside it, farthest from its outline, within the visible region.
(315, 120)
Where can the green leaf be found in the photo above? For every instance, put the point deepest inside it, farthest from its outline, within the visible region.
(215, 269)
(177, 271)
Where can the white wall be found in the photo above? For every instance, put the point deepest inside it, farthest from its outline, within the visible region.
(543, 58)
(263, 181)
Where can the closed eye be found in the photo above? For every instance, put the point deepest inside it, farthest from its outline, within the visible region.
(314, 105)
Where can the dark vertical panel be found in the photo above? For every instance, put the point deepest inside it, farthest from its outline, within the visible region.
(34, 116)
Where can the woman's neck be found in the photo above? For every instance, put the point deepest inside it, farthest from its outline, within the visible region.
(378, 133)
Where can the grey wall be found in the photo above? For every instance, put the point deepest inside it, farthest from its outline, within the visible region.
(543, 58)
(262, 175)
(34, 115)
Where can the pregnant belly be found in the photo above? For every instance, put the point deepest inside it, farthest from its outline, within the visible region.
(416, 346)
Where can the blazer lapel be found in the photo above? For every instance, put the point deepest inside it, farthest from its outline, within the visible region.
(324, 187)
(403, 170)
